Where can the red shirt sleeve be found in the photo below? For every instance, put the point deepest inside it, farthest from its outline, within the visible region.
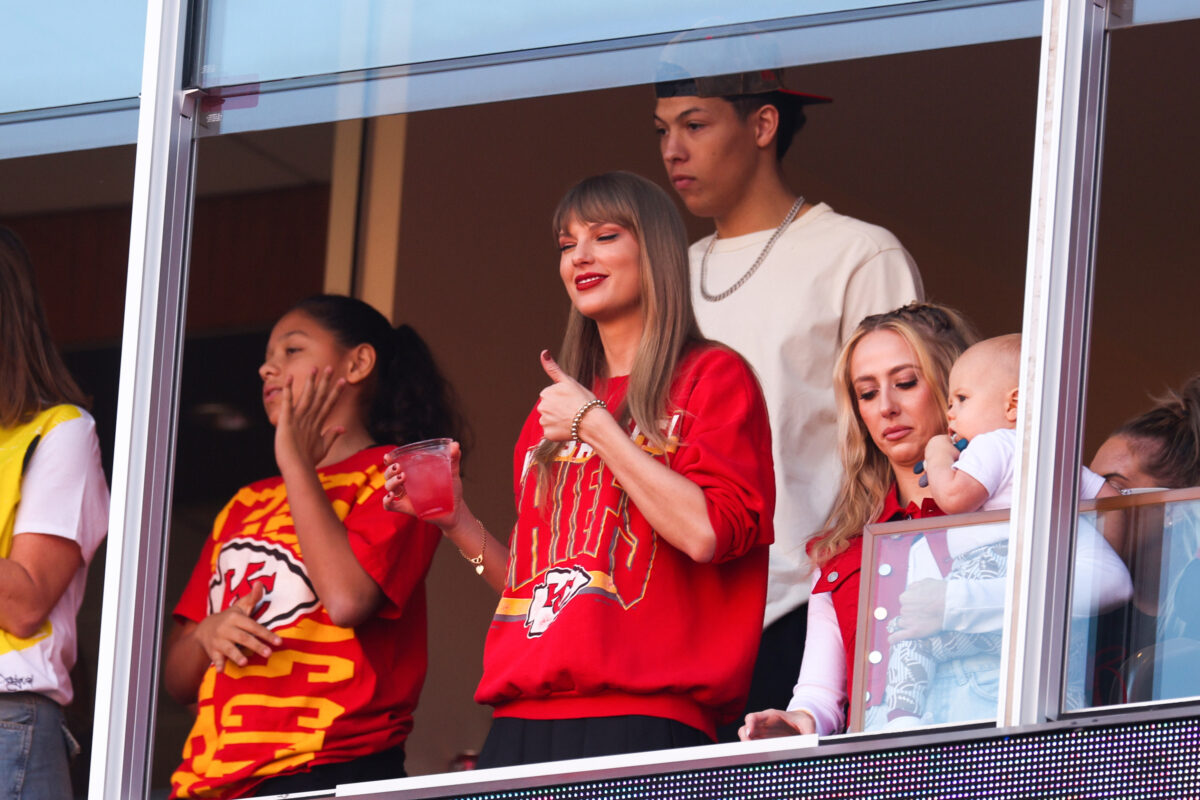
(193, 605)
(395, 549)
(725, 448)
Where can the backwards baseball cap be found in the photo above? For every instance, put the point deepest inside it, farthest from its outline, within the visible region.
(761, 81)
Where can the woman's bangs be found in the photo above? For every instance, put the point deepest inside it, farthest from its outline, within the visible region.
(590, 203)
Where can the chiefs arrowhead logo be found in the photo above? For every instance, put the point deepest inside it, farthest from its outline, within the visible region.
(289, 594)
(558, 587)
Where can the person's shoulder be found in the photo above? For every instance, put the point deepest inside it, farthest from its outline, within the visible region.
(824, 217)
(718, 367)
(998, 436)
(998, 443)
(710, 355)
(362, 460)
(67, 423)
(697, 248)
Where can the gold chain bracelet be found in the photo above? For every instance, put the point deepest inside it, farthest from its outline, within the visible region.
(477, 560)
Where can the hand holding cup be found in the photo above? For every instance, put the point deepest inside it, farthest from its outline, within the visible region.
(422, 479)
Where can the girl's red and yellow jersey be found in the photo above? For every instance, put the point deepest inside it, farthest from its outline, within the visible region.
(600, 615)
(328, 694)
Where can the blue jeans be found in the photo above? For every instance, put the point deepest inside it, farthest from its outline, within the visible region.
(965, 690)
(962, 690)
(35, 748)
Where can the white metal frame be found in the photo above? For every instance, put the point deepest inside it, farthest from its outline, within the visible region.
(1055, 334)
(147, 404)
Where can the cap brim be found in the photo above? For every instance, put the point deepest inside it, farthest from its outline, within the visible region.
(804, 98)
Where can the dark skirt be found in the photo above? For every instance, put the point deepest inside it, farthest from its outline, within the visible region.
(526, 741)
(374, 767)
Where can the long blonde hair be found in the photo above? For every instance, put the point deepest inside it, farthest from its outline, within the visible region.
(937, 336)
(645, 210)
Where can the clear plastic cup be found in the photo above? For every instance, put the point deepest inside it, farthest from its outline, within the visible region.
(427, 477)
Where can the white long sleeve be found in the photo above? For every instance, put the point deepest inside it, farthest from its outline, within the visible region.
(821, 687)
(1102, 583)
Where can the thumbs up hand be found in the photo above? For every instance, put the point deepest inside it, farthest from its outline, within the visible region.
(561, 400)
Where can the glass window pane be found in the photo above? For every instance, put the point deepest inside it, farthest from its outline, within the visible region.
(313, 37)
(935, 607)
(70, 52)
(1147, 649)
(472, 230)
(1143, 401)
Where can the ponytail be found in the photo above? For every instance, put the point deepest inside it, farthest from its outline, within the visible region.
(1168, 437)
(411, 400)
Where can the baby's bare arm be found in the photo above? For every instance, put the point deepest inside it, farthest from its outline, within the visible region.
(953, 490)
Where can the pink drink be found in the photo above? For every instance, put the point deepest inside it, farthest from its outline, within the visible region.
(427, 480)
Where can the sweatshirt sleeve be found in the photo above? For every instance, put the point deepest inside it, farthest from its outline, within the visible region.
(725, 448)
(821, 687)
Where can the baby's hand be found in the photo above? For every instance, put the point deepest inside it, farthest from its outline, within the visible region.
(940, 451)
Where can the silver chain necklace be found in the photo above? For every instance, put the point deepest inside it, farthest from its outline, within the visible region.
(713, 298)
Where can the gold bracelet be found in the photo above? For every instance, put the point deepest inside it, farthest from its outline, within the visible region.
(477, 560)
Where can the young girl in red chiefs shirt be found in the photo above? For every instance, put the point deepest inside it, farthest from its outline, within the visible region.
(633, 584)
(301, 634)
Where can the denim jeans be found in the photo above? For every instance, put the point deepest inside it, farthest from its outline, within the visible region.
(965, 690)
(962, 690)
(35, 748)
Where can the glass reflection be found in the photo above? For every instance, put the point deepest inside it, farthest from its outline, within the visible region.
(950, 674)
(1147, 649)
(69, 52)
(314, 37)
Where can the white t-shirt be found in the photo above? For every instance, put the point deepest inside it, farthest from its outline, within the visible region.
(824, 274)
(990, 458)
(63, 493)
